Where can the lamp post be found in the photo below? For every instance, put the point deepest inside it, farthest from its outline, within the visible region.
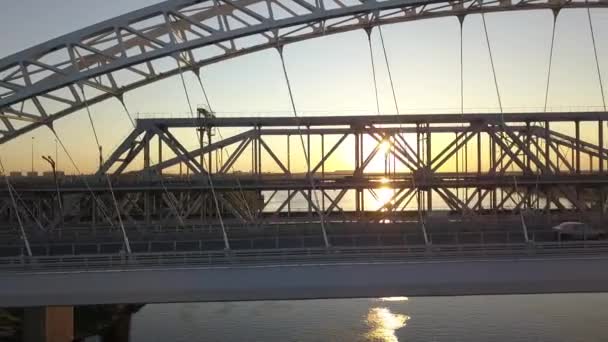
(56, 155)
(32, 154)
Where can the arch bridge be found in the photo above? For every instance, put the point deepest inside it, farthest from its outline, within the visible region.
(106, 60)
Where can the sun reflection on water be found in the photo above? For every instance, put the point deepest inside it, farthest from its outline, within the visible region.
(383, 323)
(394, 299)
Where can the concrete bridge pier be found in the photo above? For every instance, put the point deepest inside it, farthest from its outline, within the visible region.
(48, 324)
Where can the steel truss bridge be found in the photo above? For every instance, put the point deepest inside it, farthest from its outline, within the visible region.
(515, 163)
(517, 177)
(473, 187)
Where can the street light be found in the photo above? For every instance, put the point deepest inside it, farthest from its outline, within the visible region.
(32, 154)
(56, 155)
(51, 162)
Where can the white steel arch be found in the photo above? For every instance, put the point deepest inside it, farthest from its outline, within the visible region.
(43, 83)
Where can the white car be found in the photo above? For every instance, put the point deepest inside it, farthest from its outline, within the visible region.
(578, 230)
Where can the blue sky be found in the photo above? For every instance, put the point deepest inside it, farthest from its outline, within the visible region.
(332, 74)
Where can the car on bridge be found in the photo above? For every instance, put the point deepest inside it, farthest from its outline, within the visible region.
(578, 231)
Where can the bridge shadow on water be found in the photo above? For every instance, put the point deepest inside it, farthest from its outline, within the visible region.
(103, 323)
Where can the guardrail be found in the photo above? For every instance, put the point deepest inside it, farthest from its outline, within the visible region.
(212, 242)
(299, 256)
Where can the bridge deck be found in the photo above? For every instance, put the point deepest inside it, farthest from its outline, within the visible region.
(306, 274)
(277, 181)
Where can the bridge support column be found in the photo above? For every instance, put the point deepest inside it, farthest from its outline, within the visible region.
(48, 324)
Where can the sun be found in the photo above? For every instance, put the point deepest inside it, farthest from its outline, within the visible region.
(384, 196)
(384, 146)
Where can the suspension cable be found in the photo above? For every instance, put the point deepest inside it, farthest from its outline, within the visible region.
(485, 29)
(502, 123)
(306, 152)
(597, 62)
(463, 159)
(181, 75)
(368, 31)
(122, 226)
(209, 179)
(388, 68)
(502, 120)
(100, 204)
(419, 203)
(492, 64)
(238, 181)
(27, 210)
(124, 106)
(555, 13)
(118, 214)
(92, 125)
(371, 55)
(461, 23)
(390, 77)
(15, 207)
(521, 216)
(23, 204)
(200, 82)
(171, 202)
(200, 139)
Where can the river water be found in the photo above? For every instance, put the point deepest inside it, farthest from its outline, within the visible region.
(552, 317)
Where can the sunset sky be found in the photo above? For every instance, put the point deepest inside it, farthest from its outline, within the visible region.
(331, 75)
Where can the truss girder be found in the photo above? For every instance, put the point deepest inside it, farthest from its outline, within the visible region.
(519, 162)
(513, 147)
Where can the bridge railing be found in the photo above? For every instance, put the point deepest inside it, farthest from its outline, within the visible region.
(301, 256)
(168, 242)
